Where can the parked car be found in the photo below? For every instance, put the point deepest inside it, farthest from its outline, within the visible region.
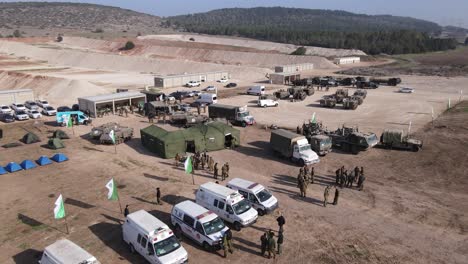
(42, 103)
(17, 107)
(197, 104)
(210, 88)
(185, 107)
(179, 95)
(406, 90)
(231, 85)
(34, 114)
(223, 80)
(5, 109)
(49, 111)
(194, 93)
(21, 115)
(193, 84)
(64, 109)
(7, 118)
(31, 105)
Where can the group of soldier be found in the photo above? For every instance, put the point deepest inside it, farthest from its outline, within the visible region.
(200, 161)
(305, 177)
(345, 178)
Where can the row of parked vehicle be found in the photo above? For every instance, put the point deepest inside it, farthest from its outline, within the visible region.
(222, 80)
(30, 109)
(239, 203)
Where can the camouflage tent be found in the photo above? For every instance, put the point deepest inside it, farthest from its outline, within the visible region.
(390, 136)
(60, 134)
(30, 138)
(55, 143)
(210, 137)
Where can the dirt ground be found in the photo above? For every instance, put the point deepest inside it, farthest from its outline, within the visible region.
(413, 208)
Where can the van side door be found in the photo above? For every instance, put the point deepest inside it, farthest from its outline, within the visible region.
(188, 227)
(141, 245)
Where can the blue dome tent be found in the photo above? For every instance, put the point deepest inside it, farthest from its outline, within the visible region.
(59, 157)
(12, 167)
(43, 160)
(28, 164)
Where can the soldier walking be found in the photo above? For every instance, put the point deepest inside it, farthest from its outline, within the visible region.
(325, 196)
(227, 169)
(300, 184)
(227, 243)
(210, 164)
(280, 242)
(361, 180)
(215, 171)
(223, 172)
(312, 175)
(337, 195)
(177, 159)
(264, 243)
(281, 222)
(351, 179)
(271, 245)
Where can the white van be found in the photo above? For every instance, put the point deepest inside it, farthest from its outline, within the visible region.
(259, 197)
(64, 251)
(207, 98)
(256, 90)
(228, 204)
(199, 224)
(152, 239)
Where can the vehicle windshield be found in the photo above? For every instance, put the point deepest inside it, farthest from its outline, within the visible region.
(304, 148)
(263, 195)
(166, 246)
(19, 105)
(20, 113)
(49, 108)
(213, 226)
(32, 103)
(326, 142)
(244, 114)
(241, 207)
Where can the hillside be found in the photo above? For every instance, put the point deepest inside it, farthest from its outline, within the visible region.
(46, 15)
(323, 28)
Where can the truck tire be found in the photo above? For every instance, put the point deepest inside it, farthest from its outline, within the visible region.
(131, 248)
(276, 105)
(345, 147)
(237, 226)
(243, 124)
(301, 162)
(261, 212)
(415, 148)
(354, 149)
(178, 232)
(264, 106)
(207, 247)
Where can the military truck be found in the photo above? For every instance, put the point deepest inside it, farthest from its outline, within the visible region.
(102, 133)
(340, 94)
(366, 85)
(318, 140)
(187, 119)
(328, 101)
(351, 103)
(293, 146)
(387, 81)
(395, 139)
(362, 93)
(349, 139)
(281, 94)
(297, 89)
(237, 115)
(346, 81)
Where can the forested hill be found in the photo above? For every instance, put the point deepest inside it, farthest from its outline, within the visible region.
(324, 28)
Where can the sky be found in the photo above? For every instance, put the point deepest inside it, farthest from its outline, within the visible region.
(443, 12)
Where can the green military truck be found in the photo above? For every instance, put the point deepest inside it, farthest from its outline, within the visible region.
(395, 139)
(319, 142)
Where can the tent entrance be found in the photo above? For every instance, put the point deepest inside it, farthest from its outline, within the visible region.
(228, 140)
(190, 146)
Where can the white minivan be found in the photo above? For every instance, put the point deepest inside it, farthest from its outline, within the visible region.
(199, 224)
(256, 90)
(152, 239)
(64, 251)
(228, 204)
(259, 197)
(207, 98)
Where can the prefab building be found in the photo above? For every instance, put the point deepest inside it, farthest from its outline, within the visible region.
(295, 67)
(210, 137)
(167, 81)
(8, 97)
(347, 60)
(284, 77)
(112, 101)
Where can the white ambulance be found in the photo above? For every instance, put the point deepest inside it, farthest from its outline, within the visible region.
(259, 197)
(199, 224)
(152, 239)
(228, 204)
(64, 251)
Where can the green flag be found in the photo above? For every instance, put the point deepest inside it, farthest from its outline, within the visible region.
(112, 195)
(70, 121)
(188, 165)
(112, 136)
(313, 120)
(59, 210)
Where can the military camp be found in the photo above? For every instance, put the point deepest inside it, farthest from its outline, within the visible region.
(203, 137)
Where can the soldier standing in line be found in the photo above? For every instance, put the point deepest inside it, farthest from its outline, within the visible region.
(177, 159)
(210, 164)
(312, 175)
(300, 175)
(338, 177)
(361, 180)
(300, 184)
(227, 243)
(215, 171)
(356, 173)
(280, 242)
(264, 243)
(306, 171)
(271, 245)
(337, 195)
(227, 169)
(202, 163)
(305, 180)
(326, 193)
(223, 172)
(351, 179)
(158, 196)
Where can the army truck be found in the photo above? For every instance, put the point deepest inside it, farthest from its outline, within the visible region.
(297, 89)
(328, 101)
(362, 93)
(395, 139)
(96, 132)
(237, 115)
(293, 146)
(281, 94)
(349, 139)
(340, 94)
(187, 119)
(351, 103)
(366, 85)
(387, 81)
(318, 140)
(103, 133)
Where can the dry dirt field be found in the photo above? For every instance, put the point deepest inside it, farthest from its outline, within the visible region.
(413, 208)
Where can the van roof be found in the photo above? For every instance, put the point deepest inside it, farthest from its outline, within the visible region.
(194, 210)
(218, 189)
(146, 221)
(65, 251)
(246, 185)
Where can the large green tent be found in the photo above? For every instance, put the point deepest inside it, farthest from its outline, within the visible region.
(210, 137)
(55, 143)
(30, 138)
(60, 134)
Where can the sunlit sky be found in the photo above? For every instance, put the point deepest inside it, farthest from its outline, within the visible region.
(444, 12)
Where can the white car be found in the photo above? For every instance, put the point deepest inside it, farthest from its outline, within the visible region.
(210, 89)
(267, 102)
(34, 114)
(17, 107)
(5, 109)
(406, 90)
(49, 111)
(223, 80)
(31, 105)
(42, 103)
(193, 84)
(21, 115)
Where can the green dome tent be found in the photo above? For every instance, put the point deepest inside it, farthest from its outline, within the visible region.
(60, 134)
(30, 138)
(55, 143)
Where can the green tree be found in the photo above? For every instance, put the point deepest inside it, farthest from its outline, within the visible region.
(299, 51)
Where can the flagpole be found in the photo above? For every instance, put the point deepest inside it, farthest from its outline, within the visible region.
(120, 205)
(115, 147)
(66, 224)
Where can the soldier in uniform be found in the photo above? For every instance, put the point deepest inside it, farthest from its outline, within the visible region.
(362, 171)
(350, 179)
(298, 130)
(227, 243)
(306, 171)
(337, 195)
(300, 185)
(223, 172)
(177, 159)
(300, 175)
(202, 161)
(361, 180)
(227, 169)
(312, 175)
(356, 173)
(325, 196)
(210, 164)
(215, 171)
(264, 243)
(338, 177)
(280, 242)
(271, 245)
